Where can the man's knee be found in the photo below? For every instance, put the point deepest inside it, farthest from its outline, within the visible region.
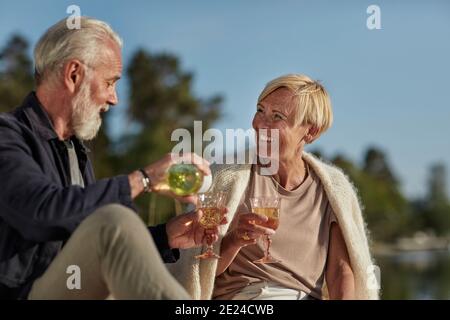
(115, 224)
(113, 215)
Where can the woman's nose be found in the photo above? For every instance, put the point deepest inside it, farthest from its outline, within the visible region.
(260, 124)
(265, 122)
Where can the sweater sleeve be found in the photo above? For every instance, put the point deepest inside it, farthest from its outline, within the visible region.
(159, 236)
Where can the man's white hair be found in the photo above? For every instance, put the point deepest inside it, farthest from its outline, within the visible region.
(60, 44)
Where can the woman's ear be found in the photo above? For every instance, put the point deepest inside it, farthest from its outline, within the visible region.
(73, 75)
(311, 134)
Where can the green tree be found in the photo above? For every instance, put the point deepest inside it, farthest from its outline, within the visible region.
(385, 208)
(376, 165)
(437, 188)
(16, 77)
(436, 213)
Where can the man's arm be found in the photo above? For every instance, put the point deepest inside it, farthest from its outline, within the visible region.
(41, 210)
(160, 237)
(38, 208)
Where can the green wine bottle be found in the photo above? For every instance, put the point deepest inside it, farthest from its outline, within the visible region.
(187, 179)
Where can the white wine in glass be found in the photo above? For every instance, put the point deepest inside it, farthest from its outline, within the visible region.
(269, 207)
(211, 217)
(212, 206)
(272, 215)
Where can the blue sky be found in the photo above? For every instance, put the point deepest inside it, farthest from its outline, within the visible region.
(389, 87)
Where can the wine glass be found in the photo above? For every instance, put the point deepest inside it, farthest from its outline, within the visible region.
(212, 205)
(270, 207)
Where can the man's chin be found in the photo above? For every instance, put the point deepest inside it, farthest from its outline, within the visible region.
(88, 134)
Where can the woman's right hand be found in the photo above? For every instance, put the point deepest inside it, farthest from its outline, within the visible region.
(245, 230)
(248, 230)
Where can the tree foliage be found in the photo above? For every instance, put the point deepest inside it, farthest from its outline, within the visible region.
(16, 77)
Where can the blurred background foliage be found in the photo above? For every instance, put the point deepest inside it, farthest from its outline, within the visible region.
(161, 99)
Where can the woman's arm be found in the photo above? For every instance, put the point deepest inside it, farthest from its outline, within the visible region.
(339, 273)
(228, 252)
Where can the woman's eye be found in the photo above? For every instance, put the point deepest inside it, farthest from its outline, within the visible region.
(259, 110)
(278, 117)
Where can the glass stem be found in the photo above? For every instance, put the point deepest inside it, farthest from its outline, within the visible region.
(269, 242)
(209, 247)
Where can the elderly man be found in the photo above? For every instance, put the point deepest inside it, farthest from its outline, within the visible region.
(55, 218)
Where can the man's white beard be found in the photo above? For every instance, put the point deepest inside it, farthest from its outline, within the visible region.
(86, 120)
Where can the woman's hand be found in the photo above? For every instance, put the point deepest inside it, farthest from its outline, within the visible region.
(248, 230)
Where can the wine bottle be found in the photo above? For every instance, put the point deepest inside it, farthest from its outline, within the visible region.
(187, 179)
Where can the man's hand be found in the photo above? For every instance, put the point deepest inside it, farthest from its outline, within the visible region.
(185, 231)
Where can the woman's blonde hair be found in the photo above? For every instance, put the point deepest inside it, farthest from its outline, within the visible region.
(313, 103)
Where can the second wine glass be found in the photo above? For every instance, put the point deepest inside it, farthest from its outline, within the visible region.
(268, 206)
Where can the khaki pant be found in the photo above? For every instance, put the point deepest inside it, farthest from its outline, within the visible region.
(116, 257)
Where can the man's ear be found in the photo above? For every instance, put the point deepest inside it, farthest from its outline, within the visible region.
(73, 75)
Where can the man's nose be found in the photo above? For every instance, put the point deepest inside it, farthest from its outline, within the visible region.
(113, 99)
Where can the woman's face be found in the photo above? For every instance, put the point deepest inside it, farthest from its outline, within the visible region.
(277, 111)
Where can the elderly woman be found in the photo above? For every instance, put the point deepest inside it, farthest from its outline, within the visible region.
(321, 241)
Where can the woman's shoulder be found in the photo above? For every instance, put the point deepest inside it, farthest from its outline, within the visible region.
(328, 173)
